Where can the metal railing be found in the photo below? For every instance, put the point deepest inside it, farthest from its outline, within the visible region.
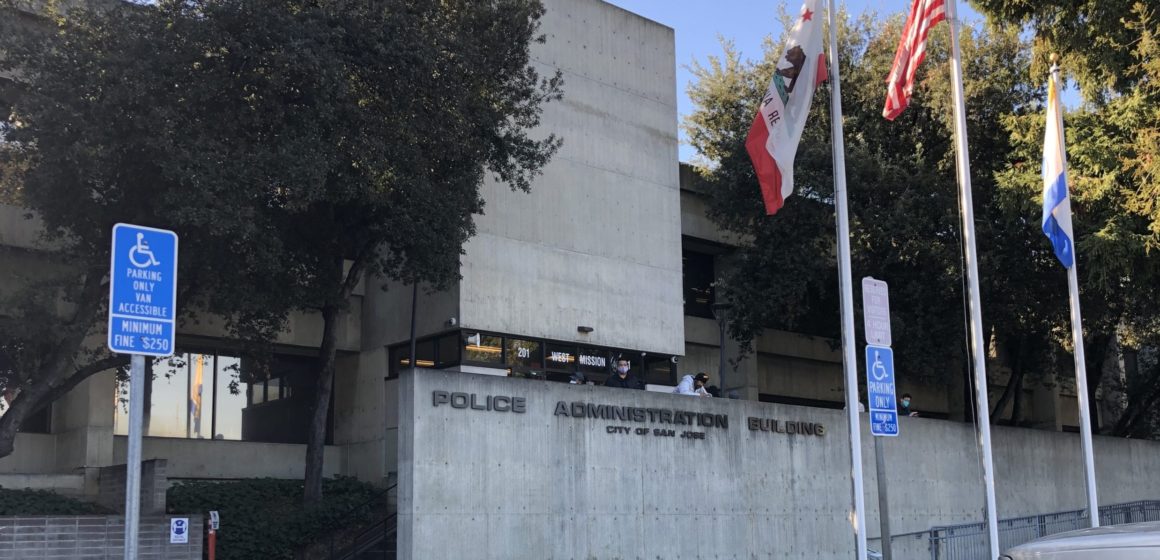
(969, 541)
(331, 535)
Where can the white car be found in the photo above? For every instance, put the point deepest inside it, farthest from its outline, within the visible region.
(1132, 541)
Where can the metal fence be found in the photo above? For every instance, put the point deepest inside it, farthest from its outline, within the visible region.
(969, 541)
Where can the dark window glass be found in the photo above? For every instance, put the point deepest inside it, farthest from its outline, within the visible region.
(699, 275)
(285, 415)
(484, 348)
(524, 358)
(425, 350)
(524, 353)
(658, 370)
(448, 351)
(561, 358)
(39, 422)
(593, 360)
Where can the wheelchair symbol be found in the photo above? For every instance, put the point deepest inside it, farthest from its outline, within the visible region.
(142, 251)
(879, 369)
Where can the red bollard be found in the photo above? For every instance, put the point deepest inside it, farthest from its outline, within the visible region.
(214, 524)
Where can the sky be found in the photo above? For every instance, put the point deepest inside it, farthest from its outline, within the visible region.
(698, 24)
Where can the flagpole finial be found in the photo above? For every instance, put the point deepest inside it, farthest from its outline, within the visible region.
(1054, 58)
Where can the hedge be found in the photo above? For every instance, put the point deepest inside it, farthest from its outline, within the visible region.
(265, 518)
(43, 502)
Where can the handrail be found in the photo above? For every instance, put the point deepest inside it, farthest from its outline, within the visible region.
(338, 521)
(362, 543)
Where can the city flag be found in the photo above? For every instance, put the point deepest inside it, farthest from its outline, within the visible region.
(924, 14)
(1056, 203)
(777, 127)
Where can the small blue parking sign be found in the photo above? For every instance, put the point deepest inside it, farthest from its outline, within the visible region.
(142, 290)
(880, 389)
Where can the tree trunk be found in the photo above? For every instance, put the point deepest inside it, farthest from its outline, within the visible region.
(324, 385)
(333, 314)
(1017, 407)
(52, 373)
(1095, 373)
(1014, 383)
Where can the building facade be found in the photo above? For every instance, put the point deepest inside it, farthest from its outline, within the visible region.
(610, 255)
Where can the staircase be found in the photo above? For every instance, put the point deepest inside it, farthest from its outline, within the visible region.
(377, 542)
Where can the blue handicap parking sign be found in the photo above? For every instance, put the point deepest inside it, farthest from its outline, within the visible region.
(142, 291)
(881, 391)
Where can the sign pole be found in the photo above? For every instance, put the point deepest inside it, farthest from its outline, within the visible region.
(883, 501)
(133, 459)
(142, 321)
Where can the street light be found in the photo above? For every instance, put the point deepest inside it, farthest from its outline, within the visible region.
(721, 313)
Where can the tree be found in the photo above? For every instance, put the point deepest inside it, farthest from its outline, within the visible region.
(1113, 144)
(312, 143)
(904, 221)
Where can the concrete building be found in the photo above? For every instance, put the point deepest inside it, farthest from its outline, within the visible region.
(609, 255)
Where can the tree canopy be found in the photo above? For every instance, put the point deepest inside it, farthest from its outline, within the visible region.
(295, 146)
(902, 191)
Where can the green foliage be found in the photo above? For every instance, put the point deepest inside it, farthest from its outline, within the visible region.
(295, 146)
(265, 518)
(42, 502)
(1113, 146)
(902, 192)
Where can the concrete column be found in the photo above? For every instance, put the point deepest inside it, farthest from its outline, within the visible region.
(359, 425)
(83, 426)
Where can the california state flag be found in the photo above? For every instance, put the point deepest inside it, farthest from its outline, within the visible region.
(777, 128)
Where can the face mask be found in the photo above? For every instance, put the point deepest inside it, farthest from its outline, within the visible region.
(622, 369)
(906, 402)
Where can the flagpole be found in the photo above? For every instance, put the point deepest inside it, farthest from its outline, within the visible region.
(1055, 111)
(967, 214)
(849, 354)
(1085, 428)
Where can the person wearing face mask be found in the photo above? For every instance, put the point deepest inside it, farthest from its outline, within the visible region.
(622, 377)
(905, 408)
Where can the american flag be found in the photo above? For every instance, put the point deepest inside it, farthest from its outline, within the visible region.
(924, 14)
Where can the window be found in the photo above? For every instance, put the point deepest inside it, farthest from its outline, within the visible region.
(699, 274)
(483, 348)
(204, 396)
(528, 357)
(524, 357)
(439, 353)
(659, 370)
(38, 422)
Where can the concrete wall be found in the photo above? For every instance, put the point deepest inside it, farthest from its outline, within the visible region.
(538, 485)
(154, 485)
(194, 458)
(597, 241)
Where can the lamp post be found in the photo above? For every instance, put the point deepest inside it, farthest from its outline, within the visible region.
(721, 313)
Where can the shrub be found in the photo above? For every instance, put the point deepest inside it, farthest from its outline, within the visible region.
(265, 518)
(44, 502)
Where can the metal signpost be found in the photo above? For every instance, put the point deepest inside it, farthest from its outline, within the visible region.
(142, 313)
(880, 388)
